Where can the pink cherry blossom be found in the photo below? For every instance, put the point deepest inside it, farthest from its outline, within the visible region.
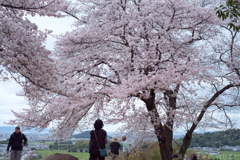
(155, 66)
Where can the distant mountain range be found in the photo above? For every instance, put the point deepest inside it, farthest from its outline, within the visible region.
(10, 129)
(86, 135)
(76, 134)
(230, 137)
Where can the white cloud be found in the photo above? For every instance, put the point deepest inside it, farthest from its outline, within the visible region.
(10, 101)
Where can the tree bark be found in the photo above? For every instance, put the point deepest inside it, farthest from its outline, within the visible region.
(165, 150)
(164, 132)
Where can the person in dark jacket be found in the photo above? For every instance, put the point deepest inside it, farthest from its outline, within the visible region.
(193, 157)
(175, 157)
(98, 139)
(16, 143)
(115, 149)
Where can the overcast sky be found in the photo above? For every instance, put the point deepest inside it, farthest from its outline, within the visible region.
(8, 90)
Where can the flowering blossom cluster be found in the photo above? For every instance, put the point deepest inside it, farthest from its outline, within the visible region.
(154, 65)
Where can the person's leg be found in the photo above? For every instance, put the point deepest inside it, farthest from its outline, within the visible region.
(18, 155)
(117, 157)
(93, 157)
(13, 155)
(101, 158)
(111, 156)
(125, 156)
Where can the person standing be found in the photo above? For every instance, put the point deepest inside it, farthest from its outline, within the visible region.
(126, 148)
(175, 157)
(115, 149)
(193, 157)
(16, 143)
(98, 138)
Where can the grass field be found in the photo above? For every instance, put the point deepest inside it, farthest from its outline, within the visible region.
(80, 156)
(49, 142)
(226, 155)
(33, 142)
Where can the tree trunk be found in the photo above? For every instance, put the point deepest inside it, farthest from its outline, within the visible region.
(165, 148)
(171, 99)
(186, 142)
(188, 137)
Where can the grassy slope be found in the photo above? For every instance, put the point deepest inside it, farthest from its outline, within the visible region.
(85, 156)
(29, 142)
(49, 142)
(226, 155)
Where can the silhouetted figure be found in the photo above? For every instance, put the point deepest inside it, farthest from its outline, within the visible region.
(16, 143)
(175, 157)
(97, 137)
(194, 157)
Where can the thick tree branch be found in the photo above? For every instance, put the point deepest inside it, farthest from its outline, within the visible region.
(188, 136)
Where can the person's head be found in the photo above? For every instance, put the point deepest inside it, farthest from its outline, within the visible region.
(194, 157)
(98, 124)
(124, 138)
(17, 129)
(175, 157)
(115, 139)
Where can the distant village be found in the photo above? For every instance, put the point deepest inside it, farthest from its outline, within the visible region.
(216, 151)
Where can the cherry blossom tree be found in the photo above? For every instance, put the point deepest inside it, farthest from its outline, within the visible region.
(22, 53)
(156, 66)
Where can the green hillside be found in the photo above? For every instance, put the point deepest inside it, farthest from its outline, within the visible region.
(85, 135)
(229, 137)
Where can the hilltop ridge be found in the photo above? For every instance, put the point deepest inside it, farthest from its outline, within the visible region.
(86, 135)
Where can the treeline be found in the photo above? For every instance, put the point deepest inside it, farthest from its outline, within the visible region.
(6, 142)
(63, 145)
(79, 145)
(229, 137)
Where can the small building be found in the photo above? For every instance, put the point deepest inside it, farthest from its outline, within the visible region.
(214, 153)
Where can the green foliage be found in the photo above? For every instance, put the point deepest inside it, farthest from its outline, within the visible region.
(150, 153)
(4, 142)
(79, 145)
(33, 148)
(108, 144)
(216, 139)
(230, 10)
(51, 147)
(144, 146)
(82, 144)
